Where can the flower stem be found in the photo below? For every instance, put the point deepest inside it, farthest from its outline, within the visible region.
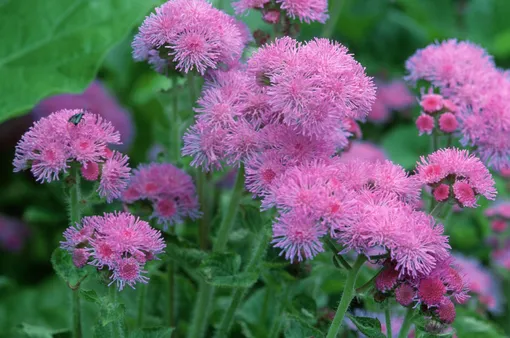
(206, 291)
(117, 331)
(142, 294)
(336, 256)
(347, 297)
(260, 245)
(74, 217)
(387, 314)
(203, 227)
(406, 325)
(171, 290)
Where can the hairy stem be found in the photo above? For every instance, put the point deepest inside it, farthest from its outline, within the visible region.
(206, 291)
(74, 217)
(117, 331)
(406, 325)
(387, 314)
(336, 256)
(142, 294)
(260, 245)
(347, 297)
(171, 290)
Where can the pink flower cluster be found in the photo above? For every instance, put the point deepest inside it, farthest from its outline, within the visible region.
(500, 216)
(437, 109)
(365, 151)
(391, 96)
(457, 175)
(65, 137)
(170, 191)
(435, 291)
(481, 282)
(291, 104)
(466, 77)
(119, 242)
(304, 10)
(187, 35)
(13, 234)
(95, 99)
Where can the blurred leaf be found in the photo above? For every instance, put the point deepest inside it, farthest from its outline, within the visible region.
(90, 296)
(187, 256)
(251, 217)
(472, 327)
(404, 146)
(33, 331)
(296, 327)
(371, 327)
(501, 44)
(223, 270)
(58, 46)
(156, 332)
(63, 265)
(110, 312)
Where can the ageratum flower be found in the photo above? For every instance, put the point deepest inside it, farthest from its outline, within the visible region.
(188, 35)
(118, 242)
(170, 191)
(53, 143)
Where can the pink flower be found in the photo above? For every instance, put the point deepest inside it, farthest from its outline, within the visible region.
(380, 113)
(118, 242)
(364, 151)
(446, 311)
(441, 193)
(499, 225)
(387, 278)
(205, 144)
(13, 234)
(405, 294)
(481, 282)
(470, 177)
(431, 291)
(114, 176)
(425, 124)
(431, 103)
(242, 6)
(396, 95)
(298, 235)
(90, 171)
(170, 191)
(448, 123)
(450, 107)
(192, 33)
(306, 10)
(66, 136)
(262, 170)
(97, 100)
(271, 16)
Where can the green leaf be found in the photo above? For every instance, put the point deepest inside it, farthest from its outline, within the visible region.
(110, 312)
(58, 45)
(186, 256)
(90, 296)
(156, 332)
(251, 217)
(404, 146)
(223, 270)
(63, 265)
(33, 331)
(371, 327)
(472, 327)
(296, 327)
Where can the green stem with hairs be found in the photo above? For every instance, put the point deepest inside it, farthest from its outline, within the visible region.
(406, 325)
(117, 331)
(142, 294)
(260, 246)
(336, 256)
(206, 291)
(171, 289)
(387, 315)
(75, 217)
(347, 297)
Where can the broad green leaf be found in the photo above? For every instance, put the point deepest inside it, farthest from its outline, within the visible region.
(223, 270)
(156, 332)
(371, 327)
(187, 256)
(33, 331)
(472, 327)
(296, 327)
(89, 296)
(110, 312)
(63, 265)
(56, 46)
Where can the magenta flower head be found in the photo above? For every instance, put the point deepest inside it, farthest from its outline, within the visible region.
(13, 234)
(481, 283)
(306, 10)
(363, 151)
(95, 99)
(169, 190)
(499, 215)
(465, 173)
(53, 143)
(118, 242)
(188, 35)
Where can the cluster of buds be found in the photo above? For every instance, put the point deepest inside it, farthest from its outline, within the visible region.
(437, 109)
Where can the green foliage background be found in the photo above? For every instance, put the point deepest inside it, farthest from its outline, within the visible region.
(59, 46)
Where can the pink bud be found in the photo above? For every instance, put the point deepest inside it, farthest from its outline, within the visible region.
(448, 123)
(425, 124)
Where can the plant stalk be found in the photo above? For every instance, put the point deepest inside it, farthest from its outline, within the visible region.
(142, 294)
(206, 291)
(387, 314)
(334, 15)
(347, 297)
(406, 325)
(74, 217)
(260, 245)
